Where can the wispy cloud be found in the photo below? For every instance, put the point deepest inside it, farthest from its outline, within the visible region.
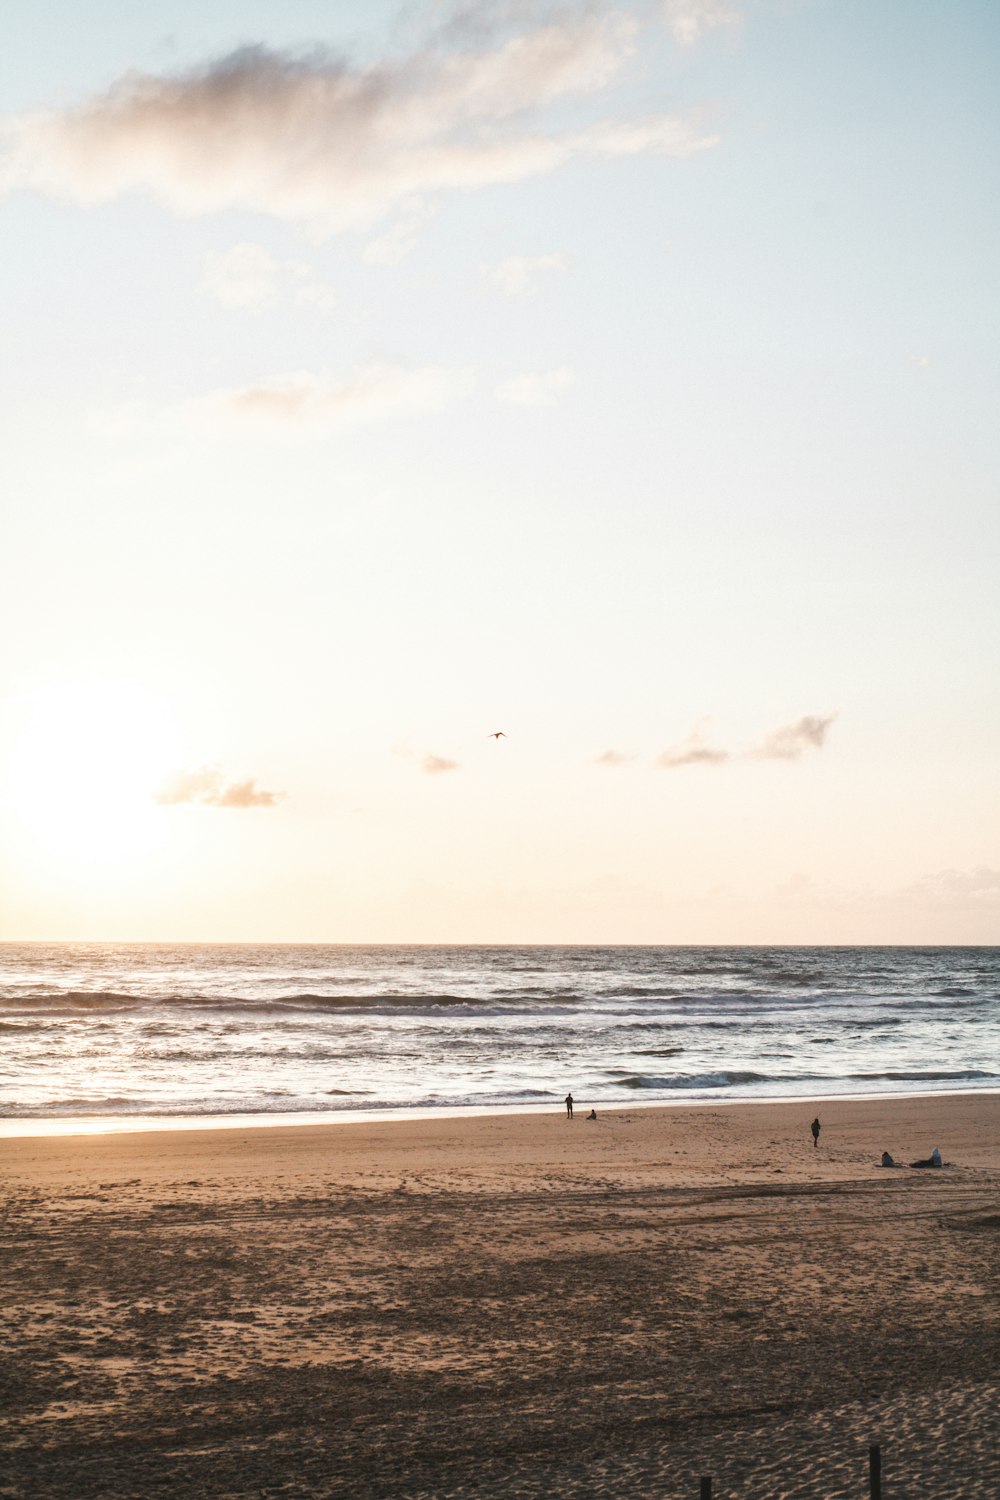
(613, 758)
(791, 741)
(244, 276)
(245, 794)
(518, 274)
(304, 398)
(961, 888)
(248, 277)
(692, 751)
(208, 788)
(787, 742)
(436, 765)
(297, 402)
(690, 19)
(309, 293)
(311, 137)
(542, 389)
(400, 238)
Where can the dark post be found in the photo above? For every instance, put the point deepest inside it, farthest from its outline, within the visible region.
(706, 1487)
(875, 1471)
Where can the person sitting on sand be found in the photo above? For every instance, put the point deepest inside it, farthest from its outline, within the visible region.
(814, 1127)
(592, 1115)
(569, 1106)
(934, 1160)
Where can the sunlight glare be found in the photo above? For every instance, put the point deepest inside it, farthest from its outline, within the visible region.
(82, 765)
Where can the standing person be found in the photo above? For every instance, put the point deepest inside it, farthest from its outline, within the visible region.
(814, 1127)
(569, 1106)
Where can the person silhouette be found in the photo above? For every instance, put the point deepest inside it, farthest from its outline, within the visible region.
(814, 1127)
(569, 1106)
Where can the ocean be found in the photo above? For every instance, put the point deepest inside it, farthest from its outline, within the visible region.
(128, 1032)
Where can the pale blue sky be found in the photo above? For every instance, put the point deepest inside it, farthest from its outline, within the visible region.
(752, 477)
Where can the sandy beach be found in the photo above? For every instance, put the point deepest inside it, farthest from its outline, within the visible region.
(508, 1305)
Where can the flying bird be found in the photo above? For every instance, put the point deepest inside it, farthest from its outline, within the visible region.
(497, 734)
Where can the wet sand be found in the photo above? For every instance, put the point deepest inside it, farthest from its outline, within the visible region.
(508, 1305)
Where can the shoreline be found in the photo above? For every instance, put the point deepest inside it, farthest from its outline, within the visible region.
(736, 1141)
(30, 1127)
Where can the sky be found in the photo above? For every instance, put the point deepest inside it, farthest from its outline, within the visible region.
(620, 376)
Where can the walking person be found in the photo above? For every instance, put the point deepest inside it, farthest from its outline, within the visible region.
(569, 1106)
(814, 1127)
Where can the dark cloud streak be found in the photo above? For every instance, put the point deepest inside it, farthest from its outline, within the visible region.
(309, 136)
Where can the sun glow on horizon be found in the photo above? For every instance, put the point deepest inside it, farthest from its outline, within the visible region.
(80, 766)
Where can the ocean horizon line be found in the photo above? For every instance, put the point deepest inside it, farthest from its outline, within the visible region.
(466, 944)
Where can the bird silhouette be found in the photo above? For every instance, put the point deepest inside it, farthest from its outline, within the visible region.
(497, 734)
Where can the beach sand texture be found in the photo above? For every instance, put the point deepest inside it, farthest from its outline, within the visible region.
(508, 1305)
